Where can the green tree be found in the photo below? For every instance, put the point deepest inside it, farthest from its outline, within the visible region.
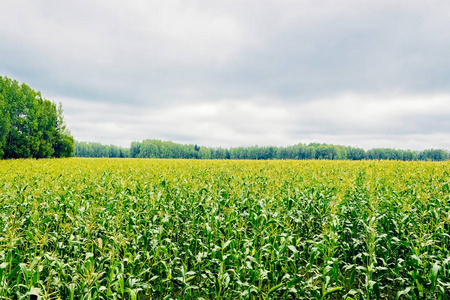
(4, 124)
(31, 126)
(63, 144)
(434, 155)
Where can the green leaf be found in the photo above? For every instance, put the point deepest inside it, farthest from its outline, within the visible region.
(403, 292)
(352, 278)
(24, 270)
(293, 282)
(273, 289)
(13, 273)
(293, 248)
(434, 273)
(226, 244)
(376, 289)
(332, 290)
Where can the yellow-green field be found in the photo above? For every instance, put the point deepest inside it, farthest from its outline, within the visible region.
(187, 229)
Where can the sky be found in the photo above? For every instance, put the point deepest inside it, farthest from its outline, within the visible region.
(238, 73)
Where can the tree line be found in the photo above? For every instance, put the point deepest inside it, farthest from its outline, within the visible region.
(167, 149)
(84, 149)
(31, 126)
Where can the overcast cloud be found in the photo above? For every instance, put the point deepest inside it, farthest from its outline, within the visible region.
(238, 73)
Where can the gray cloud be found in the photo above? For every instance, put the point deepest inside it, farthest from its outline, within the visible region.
(228, 73)
(399, 122)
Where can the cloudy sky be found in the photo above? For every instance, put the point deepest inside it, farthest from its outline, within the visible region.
(238, 73)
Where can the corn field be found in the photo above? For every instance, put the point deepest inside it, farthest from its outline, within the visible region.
(190, 229)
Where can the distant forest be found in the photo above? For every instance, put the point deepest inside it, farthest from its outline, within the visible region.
(165, 149)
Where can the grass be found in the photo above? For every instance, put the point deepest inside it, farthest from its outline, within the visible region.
(187, 229)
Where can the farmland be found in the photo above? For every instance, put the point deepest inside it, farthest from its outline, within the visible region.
(190, 229)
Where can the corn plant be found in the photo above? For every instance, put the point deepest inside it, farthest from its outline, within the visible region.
(197, 229)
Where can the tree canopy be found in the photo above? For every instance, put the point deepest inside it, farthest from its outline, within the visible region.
(167, 149)
(84, 149)
(31, 126)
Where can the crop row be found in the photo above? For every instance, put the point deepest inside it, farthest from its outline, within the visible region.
(161, 229)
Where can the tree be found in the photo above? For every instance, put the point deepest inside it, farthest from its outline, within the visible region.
(435, 155)
(135, 149)
(31, 126)
(63, 144)
(355, 153)
(167, 149)
(4, 124)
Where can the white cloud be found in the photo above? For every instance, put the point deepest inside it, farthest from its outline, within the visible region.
(356, 120)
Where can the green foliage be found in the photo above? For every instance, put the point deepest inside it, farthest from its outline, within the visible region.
(30, 126)
(5, 124)
(63, 142)
(435, 155)
(162, 149)
(84, 149)
(192, 229)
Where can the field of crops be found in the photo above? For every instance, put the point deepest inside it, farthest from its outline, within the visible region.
(187, 229)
